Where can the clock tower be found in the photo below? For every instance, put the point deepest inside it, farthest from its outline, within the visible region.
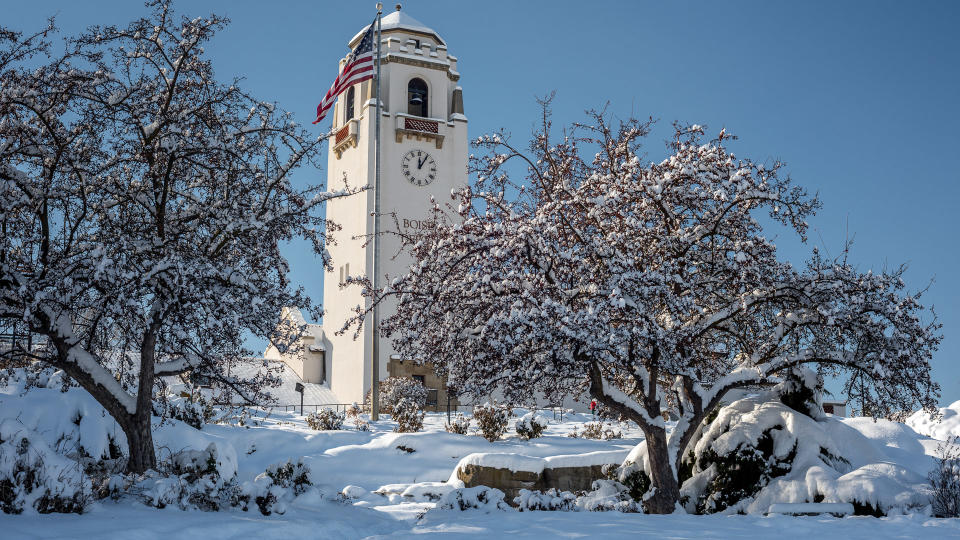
(423, 137)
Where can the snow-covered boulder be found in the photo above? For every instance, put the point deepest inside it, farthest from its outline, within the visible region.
(513, 473)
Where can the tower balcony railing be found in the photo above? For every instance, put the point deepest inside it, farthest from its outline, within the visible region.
(346, 137)
(420, 128)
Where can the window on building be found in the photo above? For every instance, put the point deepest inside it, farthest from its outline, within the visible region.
(416, 44)
(417, 97)
(351, 94)
(420, 379)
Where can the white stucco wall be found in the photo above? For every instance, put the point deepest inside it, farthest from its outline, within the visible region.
(349, 359)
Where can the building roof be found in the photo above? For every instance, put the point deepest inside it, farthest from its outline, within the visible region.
(285, 394)
(294, 315)
(399, 20)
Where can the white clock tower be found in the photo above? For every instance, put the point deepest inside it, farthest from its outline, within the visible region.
(423, 135)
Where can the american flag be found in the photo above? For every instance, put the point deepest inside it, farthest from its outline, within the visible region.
(359, 68)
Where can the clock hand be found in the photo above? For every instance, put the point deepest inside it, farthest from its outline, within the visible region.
(420, 163)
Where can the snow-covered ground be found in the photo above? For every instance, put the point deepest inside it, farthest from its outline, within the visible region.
(335, 521)
(372, 460)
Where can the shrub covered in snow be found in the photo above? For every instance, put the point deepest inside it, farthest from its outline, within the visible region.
(492, 420)
(195, 411)
(758, 452)
(409, 416)
(597, 430)
(278, 486)
(551, 500)
(459, 424)
(295, 476)
(733, 462)
(355, 416)
(395, 389)
(606, 496)
(32, 476)
(531, 426)
(325, 419)
(193, 479)
(479, 498)
(740, 473)
(945, 480)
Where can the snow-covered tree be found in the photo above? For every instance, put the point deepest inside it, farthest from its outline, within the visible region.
(143, 204)
(651, 285)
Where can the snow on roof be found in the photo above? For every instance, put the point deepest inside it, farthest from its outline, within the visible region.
(398, 20)
(294, 315)
(285, 394)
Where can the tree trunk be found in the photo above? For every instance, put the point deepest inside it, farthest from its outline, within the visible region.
(662, 476)
(141, 455)
(140, 431)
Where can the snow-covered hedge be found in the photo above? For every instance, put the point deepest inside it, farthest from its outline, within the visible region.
(598, 430)
(34, 477)
(67, 418)
(193, 479)
(408, 415)
(551, 500)
(759, 451)
(204, 480)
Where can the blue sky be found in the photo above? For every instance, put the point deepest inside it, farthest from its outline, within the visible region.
(860, 99)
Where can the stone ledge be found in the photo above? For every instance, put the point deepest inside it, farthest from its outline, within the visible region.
(568, 473)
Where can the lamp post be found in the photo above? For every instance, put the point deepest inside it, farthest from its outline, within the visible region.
(299, 388)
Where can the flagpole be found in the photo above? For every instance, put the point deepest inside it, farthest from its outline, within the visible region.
(375, 368)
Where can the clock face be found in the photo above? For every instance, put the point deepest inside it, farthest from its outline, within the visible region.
(418, 167)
